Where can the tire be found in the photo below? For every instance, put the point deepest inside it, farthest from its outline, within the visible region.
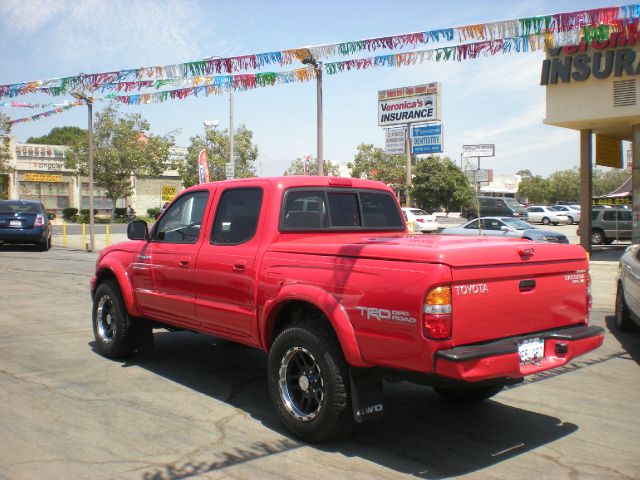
(46, 245)
(623, 320)
(571, 221)
(309, 383)
(469, 394)
(597, 237)
(112, 326)
(546, 221)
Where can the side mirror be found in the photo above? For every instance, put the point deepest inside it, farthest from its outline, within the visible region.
(137, 230)
(504, 228)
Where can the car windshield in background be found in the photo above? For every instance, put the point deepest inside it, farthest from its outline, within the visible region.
(417, 211)
(17, 207)
(512, 202)
(517, 224)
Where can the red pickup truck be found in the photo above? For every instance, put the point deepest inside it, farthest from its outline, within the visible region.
(322, 273)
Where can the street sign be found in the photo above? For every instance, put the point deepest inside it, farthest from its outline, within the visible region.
(483, 150)
(169, 192)
(396, 140)
(426, 139)
(229, 170)
(479, 176)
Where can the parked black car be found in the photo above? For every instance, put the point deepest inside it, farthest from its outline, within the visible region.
(24, 221)
(495, 207)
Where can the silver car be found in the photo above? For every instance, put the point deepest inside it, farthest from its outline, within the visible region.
(506, 227)
(628, 291)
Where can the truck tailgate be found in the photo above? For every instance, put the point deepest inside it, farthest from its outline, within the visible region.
(499, 301)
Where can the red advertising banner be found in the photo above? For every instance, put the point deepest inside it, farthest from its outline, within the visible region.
(203, 166)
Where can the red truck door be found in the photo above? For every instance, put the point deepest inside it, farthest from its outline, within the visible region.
(163, 272)
(226, 272)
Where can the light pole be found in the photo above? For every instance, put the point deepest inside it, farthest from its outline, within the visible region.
(89, 101)
(310, 60)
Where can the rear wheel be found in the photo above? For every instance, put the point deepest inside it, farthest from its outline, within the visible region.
(45, 245)
(309, 383)
(624, 323)
(570, 221)
(597, 237)
(469, 394)
(546, 221)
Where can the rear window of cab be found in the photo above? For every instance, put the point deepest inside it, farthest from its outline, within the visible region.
(339, 209)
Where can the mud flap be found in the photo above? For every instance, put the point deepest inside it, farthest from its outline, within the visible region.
(367, 396)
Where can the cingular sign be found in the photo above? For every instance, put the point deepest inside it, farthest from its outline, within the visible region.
(407, 110)
(594, 59)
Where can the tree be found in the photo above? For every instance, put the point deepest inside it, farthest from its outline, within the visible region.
(217, 144)
(525, 173)
(439, 182)
(564, 185)
(60, 136)
(5, 153)
(297, 167)
(535, 189)
(373, 163)
(122, 147)
(607, 181)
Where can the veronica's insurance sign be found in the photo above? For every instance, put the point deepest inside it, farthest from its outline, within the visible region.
(421, 108)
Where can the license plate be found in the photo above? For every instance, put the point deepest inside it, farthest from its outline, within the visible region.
(531, 351)
(15, 223)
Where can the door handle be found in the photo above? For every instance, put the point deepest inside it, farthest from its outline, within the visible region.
(239, 266)
(184, 262)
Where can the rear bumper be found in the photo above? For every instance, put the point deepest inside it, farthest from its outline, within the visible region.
(13, 235)
(500, 359)
(426, 227)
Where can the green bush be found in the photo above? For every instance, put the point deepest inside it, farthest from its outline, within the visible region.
(153, 212)
(85, 211)
(69, 212)
(120, 212)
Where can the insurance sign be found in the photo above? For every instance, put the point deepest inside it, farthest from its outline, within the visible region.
(426, 139)
(420, 103)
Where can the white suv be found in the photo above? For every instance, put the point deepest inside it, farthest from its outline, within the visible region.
(546, 215)
(422, 221)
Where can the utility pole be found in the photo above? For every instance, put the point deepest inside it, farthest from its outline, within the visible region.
(319, 140)
(231, 132)
(409, 173)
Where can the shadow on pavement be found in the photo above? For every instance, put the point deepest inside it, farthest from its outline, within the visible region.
(607, 253)
(421, 434)
(630, 341)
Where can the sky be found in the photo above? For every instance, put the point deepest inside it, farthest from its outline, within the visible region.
(494, 99)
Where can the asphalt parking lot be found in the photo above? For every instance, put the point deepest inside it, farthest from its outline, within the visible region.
(198, 407)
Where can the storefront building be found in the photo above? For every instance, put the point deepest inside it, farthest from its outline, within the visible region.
(592, 88)
(40, 174)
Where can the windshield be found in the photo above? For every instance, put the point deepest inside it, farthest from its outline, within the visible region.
(18, 207)
(512, 202)
(517, 224)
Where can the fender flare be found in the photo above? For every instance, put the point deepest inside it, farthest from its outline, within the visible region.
(327, 304)
(124, 283)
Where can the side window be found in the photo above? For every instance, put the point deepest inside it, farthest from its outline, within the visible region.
(182, 222)
(624, 216)
(609, 216)
(343, 208)
(594, 214)
(237, 216)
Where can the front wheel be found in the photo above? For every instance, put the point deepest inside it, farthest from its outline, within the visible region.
(309, 383)
(624, 323)
(570, 221)
(112, 327)
(469, 394)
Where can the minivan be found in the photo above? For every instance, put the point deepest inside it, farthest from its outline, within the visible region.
(495, 207)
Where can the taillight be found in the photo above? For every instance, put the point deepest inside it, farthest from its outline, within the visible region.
(436, 313)
(421, 220)
(39, 221)
(587, 277)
